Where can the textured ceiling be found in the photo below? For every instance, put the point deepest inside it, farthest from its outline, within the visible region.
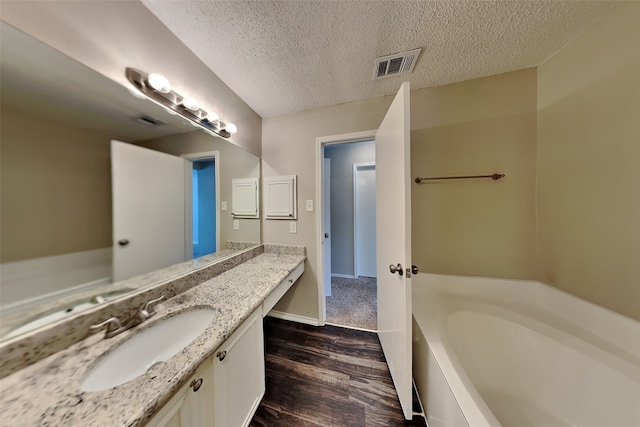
(287, 56)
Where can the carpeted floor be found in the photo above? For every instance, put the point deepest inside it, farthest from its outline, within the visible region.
(353, 302)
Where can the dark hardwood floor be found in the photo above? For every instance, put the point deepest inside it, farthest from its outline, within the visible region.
(326, 376)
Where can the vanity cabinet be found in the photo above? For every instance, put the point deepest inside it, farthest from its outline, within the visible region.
(231, 383)
(227, 388)
(192, 405)
(239, 374)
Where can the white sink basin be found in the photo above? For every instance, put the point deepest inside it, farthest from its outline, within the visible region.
(155, 344)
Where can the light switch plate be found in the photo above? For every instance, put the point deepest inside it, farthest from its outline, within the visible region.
(223, 205)
(309, 205)
(293, 227)
(236, 224)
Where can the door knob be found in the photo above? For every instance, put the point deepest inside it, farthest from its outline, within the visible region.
(196, 384)
(326, 235)
(396, 269)
(123, 242)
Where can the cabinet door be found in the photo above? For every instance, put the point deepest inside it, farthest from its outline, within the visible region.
(192, 406)
(281, 197)
(239, 375)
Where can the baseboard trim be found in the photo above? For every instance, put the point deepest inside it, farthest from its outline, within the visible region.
(355, 328)
(293, 317)
(343, 276)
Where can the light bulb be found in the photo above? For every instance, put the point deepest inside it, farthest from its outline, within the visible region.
(213, 118)
(159, 82)
(231, 128)
(190, 103)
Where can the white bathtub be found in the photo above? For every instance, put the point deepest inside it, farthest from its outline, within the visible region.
(490, 352)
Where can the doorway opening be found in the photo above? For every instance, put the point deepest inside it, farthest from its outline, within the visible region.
(203, 204)
(348, 231)
(203, 194)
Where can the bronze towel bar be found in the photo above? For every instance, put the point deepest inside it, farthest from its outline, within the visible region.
(495, 177)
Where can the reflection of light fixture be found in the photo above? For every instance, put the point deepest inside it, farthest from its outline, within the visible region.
(158, 89)
(135, 92)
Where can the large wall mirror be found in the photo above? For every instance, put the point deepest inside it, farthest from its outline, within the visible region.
(59, 235)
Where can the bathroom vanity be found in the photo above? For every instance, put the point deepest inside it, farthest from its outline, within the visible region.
(218, 379)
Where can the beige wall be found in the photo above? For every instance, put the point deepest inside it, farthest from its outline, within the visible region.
(589, 164)
(109, 36)
(289, 147)
(475, 227)
(232, 163)
(471, 127)
(566, 135)
(55, 185)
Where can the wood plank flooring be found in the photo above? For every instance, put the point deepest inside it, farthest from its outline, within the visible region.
(326, 376)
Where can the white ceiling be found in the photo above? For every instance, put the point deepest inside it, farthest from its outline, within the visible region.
(288, 56)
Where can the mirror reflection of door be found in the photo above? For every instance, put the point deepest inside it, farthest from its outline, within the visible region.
(148, 196)
(203, 184)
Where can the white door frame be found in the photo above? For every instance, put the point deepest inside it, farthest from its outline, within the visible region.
(356, 167)
(192, 157)
(326, 225)
(321, 142)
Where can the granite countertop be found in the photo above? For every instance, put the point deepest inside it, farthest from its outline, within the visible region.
(47, 393)
(11, 319)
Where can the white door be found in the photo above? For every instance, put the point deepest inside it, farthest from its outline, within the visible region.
(148, 209)
(393, 230)
(326, 225)
(365, 219)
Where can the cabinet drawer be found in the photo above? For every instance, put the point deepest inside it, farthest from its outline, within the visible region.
(282, 289)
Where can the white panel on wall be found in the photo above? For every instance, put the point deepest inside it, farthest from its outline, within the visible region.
(244, 202)
(280, 197)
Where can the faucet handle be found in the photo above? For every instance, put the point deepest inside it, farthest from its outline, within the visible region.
(145, 313)
(112, 324)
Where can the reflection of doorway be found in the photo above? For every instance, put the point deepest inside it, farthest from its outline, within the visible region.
(203, 204)
(203, 186)
(349, 263)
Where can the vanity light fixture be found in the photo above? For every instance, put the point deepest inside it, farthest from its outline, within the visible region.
(213, 117)
(231, 128)
(190, 103)
(159, 82)
(157, 88)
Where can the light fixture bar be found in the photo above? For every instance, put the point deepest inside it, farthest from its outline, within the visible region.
(173, 101)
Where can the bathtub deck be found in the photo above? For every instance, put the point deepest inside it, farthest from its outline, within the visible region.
(326, 376)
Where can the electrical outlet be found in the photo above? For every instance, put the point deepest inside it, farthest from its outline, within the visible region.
(293, 227)
(223, 205)
(309, 205)
(236, 224)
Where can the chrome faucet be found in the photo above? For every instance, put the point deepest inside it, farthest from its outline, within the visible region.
(115, 327)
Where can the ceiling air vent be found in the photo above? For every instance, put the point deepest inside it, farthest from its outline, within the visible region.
(393, 65)
(150, 121)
